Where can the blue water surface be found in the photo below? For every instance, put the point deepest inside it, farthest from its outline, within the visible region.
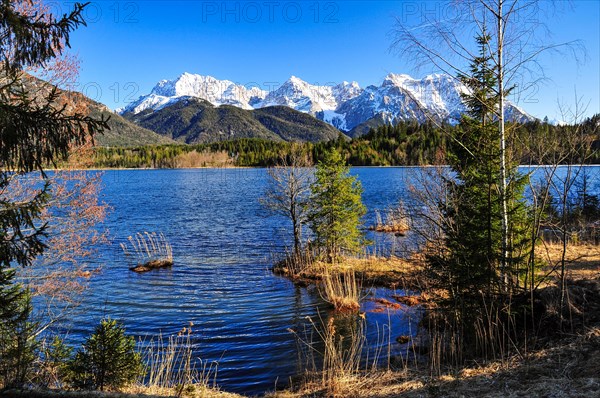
(224, 244)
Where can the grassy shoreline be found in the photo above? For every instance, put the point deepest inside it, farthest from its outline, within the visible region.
(568, 369)
(389, 272)
(562, 364)
(218, 167)
(129, 392)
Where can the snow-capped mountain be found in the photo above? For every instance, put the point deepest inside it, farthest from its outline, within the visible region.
(319, 101)
(401, 97)
(217, 92)
(345, 105)
(305, 97)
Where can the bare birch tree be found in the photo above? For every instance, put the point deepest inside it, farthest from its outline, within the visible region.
(288, 190)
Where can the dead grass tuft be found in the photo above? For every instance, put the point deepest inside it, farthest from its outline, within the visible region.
(148, 251)
(395, 219)
(342, 290)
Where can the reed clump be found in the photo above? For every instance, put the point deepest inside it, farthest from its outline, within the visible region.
(394, 220)
(172, 369)
(341, 289)
(295, 264)
(338, 361)
(341, 362)
(148, 251)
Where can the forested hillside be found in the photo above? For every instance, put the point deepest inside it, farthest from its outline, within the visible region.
(195, 121)
(405, 144)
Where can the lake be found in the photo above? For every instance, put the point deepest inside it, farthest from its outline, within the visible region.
(224, 244)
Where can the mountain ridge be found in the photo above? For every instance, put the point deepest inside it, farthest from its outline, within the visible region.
(120, 132)
(195, 120)
(345, 105)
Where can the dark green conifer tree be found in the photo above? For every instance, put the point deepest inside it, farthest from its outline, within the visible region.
(336, 208)
(470, 269)
(107, 359)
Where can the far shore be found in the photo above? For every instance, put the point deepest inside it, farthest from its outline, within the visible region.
(266, 167)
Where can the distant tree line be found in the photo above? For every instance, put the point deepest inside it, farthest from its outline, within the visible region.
(403, 144)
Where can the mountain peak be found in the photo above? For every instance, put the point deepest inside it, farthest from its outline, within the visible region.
(296, 81)
(351, 84)
(398, 79)
(437, 76)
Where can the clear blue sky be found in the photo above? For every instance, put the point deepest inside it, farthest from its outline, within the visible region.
(130, 45)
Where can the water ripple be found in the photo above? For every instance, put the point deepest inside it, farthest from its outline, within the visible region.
(222, 244)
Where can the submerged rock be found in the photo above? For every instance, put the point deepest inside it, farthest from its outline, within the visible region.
(150, 265)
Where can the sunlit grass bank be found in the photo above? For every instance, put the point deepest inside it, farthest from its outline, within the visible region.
(393, 272)
(581, 260)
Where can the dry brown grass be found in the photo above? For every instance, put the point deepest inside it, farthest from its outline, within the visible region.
(345, 366)
(147, 251)
(582, 260)
(129, 392)
(172, 367)
(390, 272)
(569, 369)
(395, 219)
(341, 289)
(195, 159)
(191, 391)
